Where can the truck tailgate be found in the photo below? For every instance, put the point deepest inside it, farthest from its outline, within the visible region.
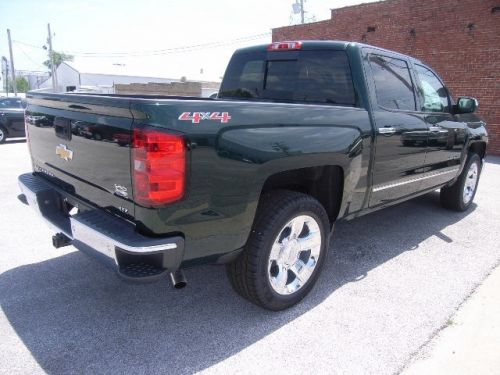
(83, 147)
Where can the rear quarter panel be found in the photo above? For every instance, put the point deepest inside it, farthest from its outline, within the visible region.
(229, 163)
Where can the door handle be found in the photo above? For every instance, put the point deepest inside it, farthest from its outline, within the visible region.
(387, 130)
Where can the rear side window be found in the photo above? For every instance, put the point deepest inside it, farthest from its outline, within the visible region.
(10, 103)
(434, 94)
(312, 76)
(393, 84)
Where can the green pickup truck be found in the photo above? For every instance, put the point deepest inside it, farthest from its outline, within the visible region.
(302, 134)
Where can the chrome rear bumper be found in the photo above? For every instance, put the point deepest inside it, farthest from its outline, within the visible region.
(95, 229)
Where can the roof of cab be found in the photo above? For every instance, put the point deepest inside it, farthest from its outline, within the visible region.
(326, 44)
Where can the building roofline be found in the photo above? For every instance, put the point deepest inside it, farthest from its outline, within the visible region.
(114, 75)
(68, 65)
(301, 24)
(360, 5)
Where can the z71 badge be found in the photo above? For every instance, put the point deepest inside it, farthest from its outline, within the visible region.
(196, 117)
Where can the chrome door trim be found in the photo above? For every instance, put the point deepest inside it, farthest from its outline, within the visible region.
(405, 181)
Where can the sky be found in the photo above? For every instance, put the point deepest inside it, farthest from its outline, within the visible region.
(156, 38)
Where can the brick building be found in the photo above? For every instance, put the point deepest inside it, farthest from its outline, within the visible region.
(460, 39)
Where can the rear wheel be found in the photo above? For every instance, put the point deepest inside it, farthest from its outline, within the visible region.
(3, 135)
(285, 251)
(460, 195)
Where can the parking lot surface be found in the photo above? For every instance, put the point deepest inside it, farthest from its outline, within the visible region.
(392, 280)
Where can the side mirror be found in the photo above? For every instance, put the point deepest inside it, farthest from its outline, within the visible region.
(467, 104)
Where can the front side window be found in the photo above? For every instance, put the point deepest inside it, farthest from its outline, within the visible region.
(432, 91)
(322, 77)
(393, 84)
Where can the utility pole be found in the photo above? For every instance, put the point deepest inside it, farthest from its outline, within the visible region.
(13, 71)
(302, 11)
(51, 57)
(5, 74)
(298, 7)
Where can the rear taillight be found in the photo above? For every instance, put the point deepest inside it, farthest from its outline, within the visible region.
(159, 167)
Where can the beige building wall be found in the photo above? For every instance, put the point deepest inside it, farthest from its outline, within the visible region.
(160, 89)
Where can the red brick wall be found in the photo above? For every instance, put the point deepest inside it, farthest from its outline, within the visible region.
(460, 39)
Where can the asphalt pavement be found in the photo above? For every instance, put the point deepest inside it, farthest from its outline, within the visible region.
(392, 281)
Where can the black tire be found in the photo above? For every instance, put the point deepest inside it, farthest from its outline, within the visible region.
(452, 197)
(250, 273)
(3, 134)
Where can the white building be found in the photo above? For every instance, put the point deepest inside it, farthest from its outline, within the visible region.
(34, 78)
(73, 76)
(77, 76)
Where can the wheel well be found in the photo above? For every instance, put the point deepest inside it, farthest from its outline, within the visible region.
(324, 183)
(478, 148)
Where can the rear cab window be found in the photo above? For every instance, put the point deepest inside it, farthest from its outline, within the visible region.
(306, 76)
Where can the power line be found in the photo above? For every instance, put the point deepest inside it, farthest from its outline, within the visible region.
(26, 44)
(29, 58)
(172, 50)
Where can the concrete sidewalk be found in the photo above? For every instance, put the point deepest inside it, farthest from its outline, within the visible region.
(470, 343)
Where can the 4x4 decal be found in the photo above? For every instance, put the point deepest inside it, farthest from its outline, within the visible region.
(196, 117)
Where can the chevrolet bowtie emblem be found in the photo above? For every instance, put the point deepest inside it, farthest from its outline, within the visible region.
(64, 152)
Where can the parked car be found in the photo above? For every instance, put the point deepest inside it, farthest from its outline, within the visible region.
(11, 118)
(302, 134)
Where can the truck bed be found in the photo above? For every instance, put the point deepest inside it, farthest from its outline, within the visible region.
(233, 146)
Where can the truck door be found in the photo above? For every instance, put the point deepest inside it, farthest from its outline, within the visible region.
(446, 135)
(401, 133)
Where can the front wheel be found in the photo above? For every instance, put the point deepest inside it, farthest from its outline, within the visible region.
(460, 195)
(285, 251)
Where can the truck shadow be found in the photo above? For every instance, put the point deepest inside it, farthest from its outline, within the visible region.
(76, 317)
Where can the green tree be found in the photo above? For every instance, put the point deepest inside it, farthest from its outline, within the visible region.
(59, 57)
(22, 85)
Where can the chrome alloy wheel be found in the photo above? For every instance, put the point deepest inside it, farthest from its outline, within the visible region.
(470, 183)
(2, 135)
(294, 255)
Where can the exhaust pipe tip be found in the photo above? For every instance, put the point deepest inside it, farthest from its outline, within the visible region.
(60, 240)
(178, 279)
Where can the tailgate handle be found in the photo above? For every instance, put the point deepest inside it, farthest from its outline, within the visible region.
(75, 106)
(62, 128)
